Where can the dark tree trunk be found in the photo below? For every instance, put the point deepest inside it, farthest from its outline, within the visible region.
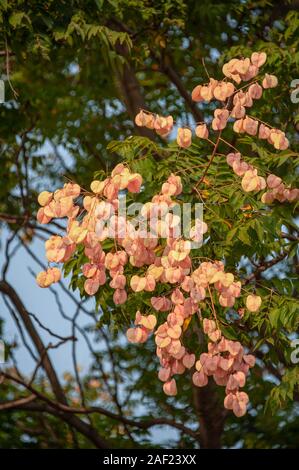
(133, 98)
(211, 416)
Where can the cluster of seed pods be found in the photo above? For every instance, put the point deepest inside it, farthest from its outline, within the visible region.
(224, 91)
(251, 181)
(46, 278)
(235, 103)
(227, 363)
(162, 125)
(165, 258)
(278, 191)
(144, 325)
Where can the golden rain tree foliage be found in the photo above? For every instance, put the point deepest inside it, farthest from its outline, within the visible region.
(181, 287)
(163, 105)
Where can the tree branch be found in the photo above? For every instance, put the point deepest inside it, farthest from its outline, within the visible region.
(263, 267)
(15, 404)
(52, 408)
(80, 425)
(166, 67)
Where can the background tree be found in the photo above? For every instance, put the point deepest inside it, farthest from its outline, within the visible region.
(76, 74)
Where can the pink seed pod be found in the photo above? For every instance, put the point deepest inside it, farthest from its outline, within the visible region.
(255, 91)
(200, 379)
(258, 58)
(273, 181)
(253, 303)
(170, 388)
(270, 81)
(196, 94)
(184, 137)
(264, 132)
(202, 131)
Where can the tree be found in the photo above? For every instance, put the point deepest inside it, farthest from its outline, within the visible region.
(144, 50)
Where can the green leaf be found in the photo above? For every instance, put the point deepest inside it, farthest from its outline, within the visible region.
(244, 237)
(273, 317)
(258, 227)
(3, 4)
(99, 4)
(16, 18)
(284, 392)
